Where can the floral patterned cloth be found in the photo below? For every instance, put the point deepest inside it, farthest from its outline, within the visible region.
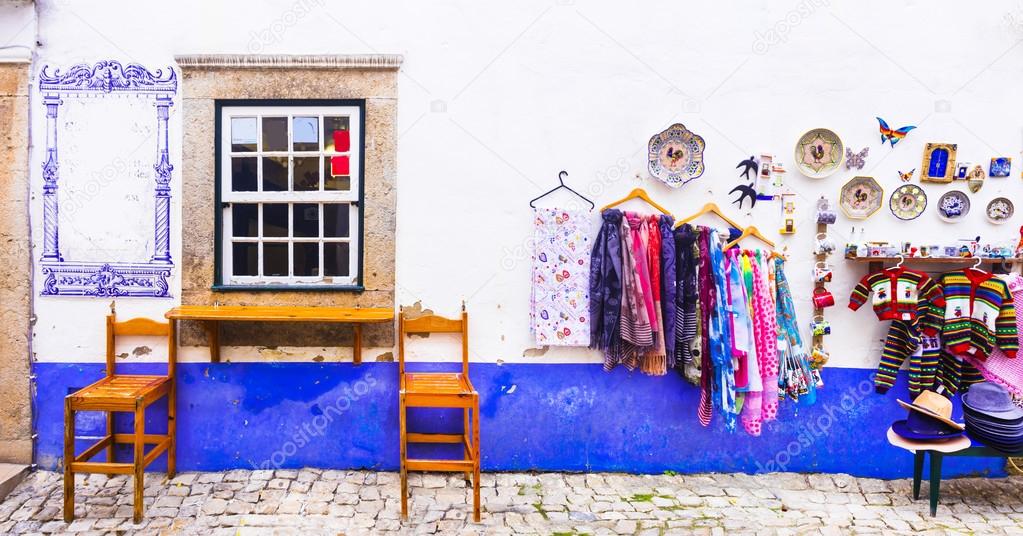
(560, 301)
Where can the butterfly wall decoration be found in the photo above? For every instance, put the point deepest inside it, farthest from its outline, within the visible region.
(856, 160)
(892, 135)
(906, 176)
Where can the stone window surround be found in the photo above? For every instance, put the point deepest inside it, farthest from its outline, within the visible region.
(208, 78)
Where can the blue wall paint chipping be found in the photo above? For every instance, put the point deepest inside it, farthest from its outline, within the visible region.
(534, 417)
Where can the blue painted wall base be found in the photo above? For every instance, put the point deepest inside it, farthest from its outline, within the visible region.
(533, 417)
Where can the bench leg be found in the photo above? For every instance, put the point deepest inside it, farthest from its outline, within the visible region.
(69, 458)
(918, 472)
(404, 456)
(140, 432)
(172, 431)
(936, 458)
(110, 432)
(476, 459)
(465, 451)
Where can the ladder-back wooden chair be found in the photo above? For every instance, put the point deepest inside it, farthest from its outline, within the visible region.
(116, 393)
(439, 390)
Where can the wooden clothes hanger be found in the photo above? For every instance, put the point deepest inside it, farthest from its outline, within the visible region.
(710, 208)
(638, 193)
(561, 181)
(750, 231)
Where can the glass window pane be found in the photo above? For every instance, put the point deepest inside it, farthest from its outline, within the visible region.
(275, 174)
(243, 175)
(307, 173)
(243, 134)
(275, 219)
(333, 178)
(307, 258)
(275, 133)
(336, 135)
(335, 220)
(305, 133)
(275, 258)
(306, 221)
(244, 219)
(244, 258)
(335, 259)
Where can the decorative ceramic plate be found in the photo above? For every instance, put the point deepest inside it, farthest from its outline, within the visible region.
(953, 206)
(908, 202)
(999, 210)
(861, 197)
(819, 153)
(676, 155)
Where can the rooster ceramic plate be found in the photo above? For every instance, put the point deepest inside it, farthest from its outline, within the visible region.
(819, 153)
(676, 156)
(861, 197)
(953, 206)
(908, 202)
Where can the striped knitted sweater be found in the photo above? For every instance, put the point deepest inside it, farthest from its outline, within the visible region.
(979, 313)
(901, 294)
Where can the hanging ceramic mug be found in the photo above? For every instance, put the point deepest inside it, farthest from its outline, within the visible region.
(818, 357)
(823, 245)
(822, 273)
(822, 298)
(819, 326)
(825, 214)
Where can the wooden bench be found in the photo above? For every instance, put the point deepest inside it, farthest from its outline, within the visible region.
(213, 315)
(975, 450)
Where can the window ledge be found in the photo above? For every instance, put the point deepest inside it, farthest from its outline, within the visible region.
(287, 61)
(288, 288)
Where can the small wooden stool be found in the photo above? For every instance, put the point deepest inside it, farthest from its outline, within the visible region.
(439, 390)
(122, 393)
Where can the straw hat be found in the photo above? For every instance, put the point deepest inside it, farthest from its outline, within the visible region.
(935, 406)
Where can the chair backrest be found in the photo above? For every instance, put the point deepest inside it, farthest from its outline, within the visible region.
(431, 323)
(143, 327)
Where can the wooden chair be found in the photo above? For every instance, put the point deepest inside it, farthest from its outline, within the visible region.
(439, 390)
(122, 393)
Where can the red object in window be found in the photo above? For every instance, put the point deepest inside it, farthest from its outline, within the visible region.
(338, 165)
(342, 141)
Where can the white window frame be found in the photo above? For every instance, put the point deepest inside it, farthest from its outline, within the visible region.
(352, 197)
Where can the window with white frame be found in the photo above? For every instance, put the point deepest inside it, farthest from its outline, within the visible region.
(290, 195)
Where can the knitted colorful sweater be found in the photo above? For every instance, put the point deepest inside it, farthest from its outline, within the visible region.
(901, 294)
(979, 313)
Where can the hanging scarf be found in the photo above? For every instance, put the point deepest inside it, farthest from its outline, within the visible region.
(668, 289)
(723, 384)
(794, 372)
(606, 288)
(767, 348)
(998, 367)
(654, 360)
(769, 359)
(707, 299)
(636, 329)
(686, 295)
(559, 302)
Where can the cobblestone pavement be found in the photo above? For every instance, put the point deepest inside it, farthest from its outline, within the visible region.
(311, 501)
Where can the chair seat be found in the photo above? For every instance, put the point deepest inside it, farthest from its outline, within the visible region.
(120, 392)
(438, 388)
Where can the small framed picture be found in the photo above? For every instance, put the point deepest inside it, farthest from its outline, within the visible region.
(1000, 166)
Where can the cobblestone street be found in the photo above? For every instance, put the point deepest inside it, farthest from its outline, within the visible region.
(312, 501)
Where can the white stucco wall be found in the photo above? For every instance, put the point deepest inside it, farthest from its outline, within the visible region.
(497, 97)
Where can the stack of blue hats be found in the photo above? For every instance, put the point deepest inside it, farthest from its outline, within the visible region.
(992, 418)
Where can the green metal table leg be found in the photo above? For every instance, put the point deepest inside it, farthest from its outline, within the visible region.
(918, 472)
(936, 458)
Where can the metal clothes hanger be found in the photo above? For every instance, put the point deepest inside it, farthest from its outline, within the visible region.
(561, 184)
(750, 231)
(638, 193)
(710, 208)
